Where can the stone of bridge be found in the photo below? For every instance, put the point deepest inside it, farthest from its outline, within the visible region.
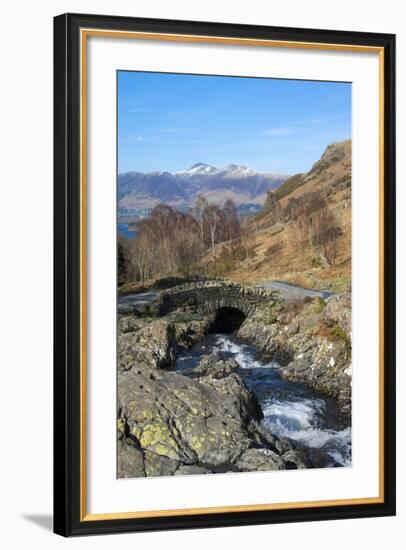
(209, 296)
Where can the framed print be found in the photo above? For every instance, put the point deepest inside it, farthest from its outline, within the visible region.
(224, 274)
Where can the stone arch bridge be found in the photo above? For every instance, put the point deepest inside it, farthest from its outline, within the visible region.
(210, 296)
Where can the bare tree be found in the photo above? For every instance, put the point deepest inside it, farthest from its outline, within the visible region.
(301, 232)
(232, 229)
(141, 259)
(329, 231)
(187, 245)
(170, 242)
(199, 212)
(213, 217)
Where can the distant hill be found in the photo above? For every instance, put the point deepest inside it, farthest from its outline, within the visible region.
(248, 188)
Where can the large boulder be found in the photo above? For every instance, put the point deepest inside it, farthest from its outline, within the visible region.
(184, 419)
(244, 404)
(146, 343)
(189, 328)
(182, 425)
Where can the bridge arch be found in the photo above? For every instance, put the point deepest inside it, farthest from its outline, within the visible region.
(209, 297)
(227, 319)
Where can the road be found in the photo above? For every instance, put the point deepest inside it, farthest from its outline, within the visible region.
(293, 291)
(126, 302)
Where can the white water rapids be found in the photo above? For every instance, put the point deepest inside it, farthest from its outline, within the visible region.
(291, 410)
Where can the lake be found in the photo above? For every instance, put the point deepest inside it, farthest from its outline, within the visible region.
(124, 231)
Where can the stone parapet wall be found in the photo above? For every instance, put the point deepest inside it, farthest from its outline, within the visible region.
(210, 295)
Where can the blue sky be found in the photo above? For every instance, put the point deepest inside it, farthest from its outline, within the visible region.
(170, 122)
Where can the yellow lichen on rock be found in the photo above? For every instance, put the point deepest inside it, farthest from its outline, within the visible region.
(159, 438)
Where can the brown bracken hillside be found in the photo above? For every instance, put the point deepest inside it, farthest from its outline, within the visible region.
(303, 232)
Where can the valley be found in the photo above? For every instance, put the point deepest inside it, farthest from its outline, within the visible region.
(239, 328)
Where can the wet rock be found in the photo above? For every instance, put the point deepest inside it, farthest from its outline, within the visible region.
(279, 445)
(294, 460)
(216, 365)
(269, 339)
(189, 328)
(324, 366)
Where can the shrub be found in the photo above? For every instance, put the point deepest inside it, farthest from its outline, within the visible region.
(318, 305)
(337, 333)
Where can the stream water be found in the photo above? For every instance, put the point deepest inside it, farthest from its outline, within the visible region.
(291, 409)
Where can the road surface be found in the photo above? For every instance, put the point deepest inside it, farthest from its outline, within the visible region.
(126, 302)
(288, 290)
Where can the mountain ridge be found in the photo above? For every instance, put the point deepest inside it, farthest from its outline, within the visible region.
(244, 185)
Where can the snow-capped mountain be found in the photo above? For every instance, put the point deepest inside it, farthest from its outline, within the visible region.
(138, 190)
(229, 171)
(197, 169)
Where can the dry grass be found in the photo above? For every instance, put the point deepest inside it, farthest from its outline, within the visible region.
(292, 262)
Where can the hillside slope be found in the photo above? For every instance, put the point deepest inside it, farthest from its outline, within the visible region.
(303, 232)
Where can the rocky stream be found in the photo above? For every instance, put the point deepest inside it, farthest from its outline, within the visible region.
(271, 391)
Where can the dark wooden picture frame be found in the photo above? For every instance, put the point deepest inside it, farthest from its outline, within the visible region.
(70, 517)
